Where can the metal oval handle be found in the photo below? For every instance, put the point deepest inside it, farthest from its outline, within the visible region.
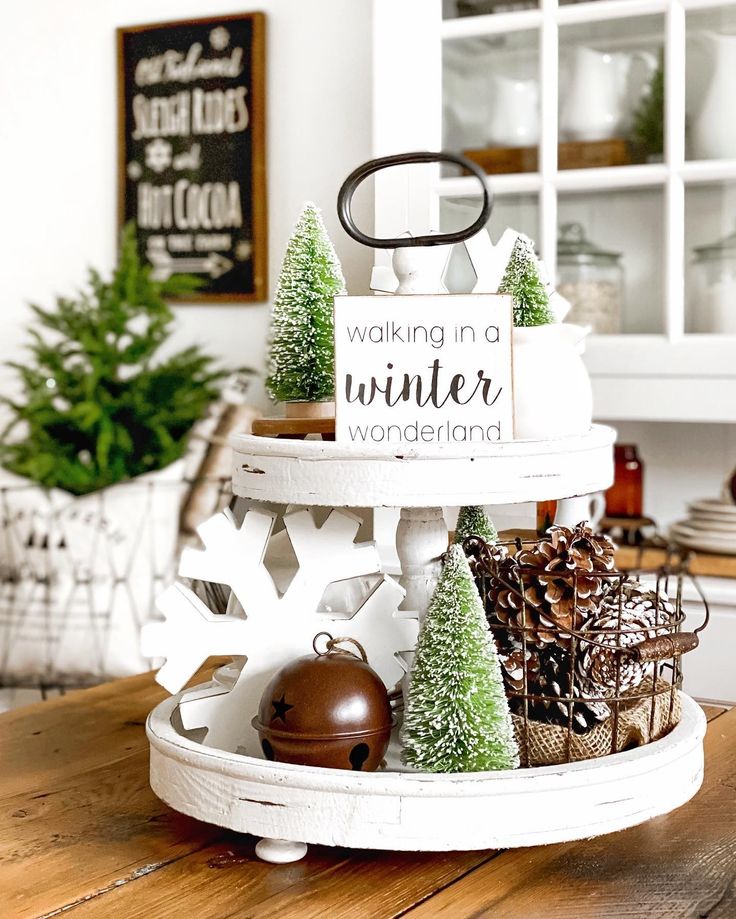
(349, 186)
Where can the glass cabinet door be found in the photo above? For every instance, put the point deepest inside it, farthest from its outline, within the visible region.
(611, 93)
(711, 80)
(490, 106)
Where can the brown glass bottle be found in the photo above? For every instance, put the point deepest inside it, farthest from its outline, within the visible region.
(625, 498)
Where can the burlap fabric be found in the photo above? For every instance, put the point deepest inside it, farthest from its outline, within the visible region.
(548, 744)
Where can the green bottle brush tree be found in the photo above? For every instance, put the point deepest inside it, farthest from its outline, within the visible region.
(473, 521)
(457, 717)
(97, 404)
(647, 133)
(528, 292)
(302, 347)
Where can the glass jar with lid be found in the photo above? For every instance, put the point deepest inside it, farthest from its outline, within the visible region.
(714, 287)
(591, 279)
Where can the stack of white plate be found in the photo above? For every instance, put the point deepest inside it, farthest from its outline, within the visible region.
(711, 527)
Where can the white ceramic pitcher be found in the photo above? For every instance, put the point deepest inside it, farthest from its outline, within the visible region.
(595, 105)
(552, 391)
(515, 113)
(714, 130)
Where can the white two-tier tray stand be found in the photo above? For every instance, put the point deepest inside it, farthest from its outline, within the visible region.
(290, 806)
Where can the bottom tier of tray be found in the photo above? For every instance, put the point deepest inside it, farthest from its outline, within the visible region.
(425, 812)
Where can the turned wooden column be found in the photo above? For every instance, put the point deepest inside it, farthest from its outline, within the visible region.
(421, 540)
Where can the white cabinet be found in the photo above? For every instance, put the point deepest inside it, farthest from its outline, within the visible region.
(709, 671)
(434, 87)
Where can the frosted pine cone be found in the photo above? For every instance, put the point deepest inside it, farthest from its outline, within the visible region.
(558, 696)
(560, 580)
(513, 666)
(643, 616)
(507, 596)
(548, 689)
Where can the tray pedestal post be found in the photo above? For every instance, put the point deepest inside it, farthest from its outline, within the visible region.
(280, 851)
(421, 540)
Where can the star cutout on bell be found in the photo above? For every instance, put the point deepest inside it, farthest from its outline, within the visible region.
(280, 708)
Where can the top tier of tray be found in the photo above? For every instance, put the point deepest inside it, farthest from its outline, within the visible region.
(328, 474)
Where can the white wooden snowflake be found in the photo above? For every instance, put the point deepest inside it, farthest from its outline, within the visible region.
(188, 635)
(233, 556)
(276, 629)
(325, 554)
(274, 641)
(489, 262)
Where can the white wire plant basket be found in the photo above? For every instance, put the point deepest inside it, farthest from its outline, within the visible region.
(79, 575)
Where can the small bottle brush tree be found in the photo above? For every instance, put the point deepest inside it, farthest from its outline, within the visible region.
(528, 292)
(302, 347)
(97, 405)
(457, 718)
(473, 521)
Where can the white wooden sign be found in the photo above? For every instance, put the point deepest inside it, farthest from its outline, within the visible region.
(423, 369)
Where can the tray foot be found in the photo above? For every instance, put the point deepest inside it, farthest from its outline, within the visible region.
(280, 851)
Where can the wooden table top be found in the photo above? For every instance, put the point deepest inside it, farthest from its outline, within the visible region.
(81, 834)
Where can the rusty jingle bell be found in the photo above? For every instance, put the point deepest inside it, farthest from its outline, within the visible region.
(329, 710)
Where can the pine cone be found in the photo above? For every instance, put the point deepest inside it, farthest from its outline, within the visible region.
(555, 601)
(506, 592)
(554, 685)
(513, 666)
(548, 685)
(643, 615)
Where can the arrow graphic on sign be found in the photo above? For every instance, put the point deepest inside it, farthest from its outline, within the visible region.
(164, 265)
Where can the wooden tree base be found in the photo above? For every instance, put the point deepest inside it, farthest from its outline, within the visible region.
(294, 428)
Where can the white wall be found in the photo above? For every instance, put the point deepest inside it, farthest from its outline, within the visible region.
(58, 146)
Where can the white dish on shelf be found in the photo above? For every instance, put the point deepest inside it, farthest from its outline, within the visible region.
(407, 811)
(713, 506)
(713, 524)
(706, 541)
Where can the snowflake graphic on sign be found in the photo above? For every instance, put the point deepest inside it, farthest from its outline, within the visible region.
(158, 155)
(277, 628)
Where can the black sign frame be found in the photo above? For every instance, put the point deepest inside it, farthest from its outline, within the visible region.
(195, 174)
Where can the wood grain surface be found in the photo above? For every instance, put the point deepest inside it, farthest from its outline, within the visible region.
(82, 834)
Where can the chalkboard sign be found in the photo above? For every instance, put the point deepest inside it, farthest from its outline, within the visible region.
(192, 150)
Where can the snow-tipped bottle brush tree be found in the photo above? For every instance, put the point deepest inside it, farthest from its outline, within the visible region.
(301, 348)
(523, 282)
(456, 716)
(473, 521)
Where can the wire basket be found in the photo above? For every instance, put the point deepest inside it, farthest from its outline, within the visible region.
(591, 659)
(79, 575)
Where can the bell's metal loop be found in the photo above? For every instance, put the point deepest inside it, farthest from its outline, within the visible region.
(328, 643)
(332, 646)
